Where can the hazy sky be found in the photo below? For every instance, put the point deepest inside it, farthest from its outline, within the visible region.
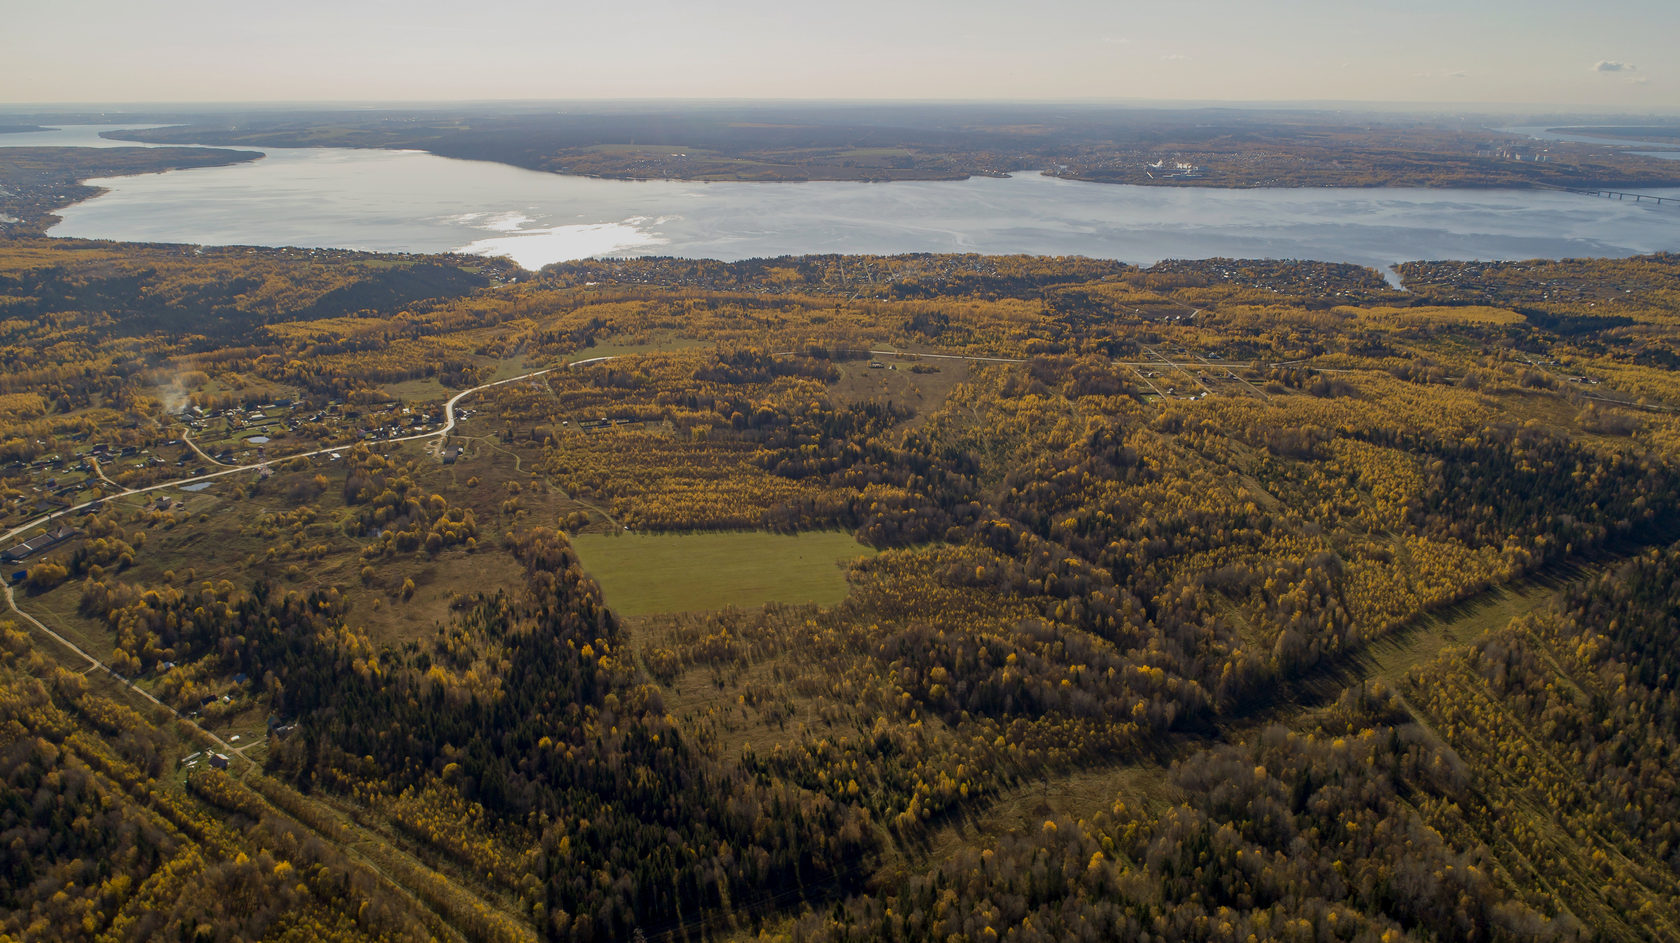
(1609, 53)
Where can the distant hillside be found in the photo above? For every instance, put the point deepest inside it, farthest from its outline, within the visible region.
(1208, 147)
(35, 181)
(1651, 132)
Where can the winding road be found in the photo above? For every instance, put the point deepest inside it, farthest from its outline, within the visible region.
(186, 436)
(447, 427)
(95, 664)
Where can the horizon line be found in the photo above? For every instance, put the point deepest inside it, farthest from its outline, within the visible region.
(1147, 103)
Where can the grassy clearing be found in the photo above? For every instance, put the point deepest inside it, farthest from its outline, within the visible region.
(641, 574)
(1431, 316)
(1390, 658)
(421, 390)
(897, 382)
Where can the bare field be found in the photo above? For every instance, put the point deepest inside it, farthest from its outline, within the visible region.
(923, 389)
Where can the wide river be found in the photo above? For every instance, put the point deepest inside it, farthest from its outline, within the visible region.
(409, 201)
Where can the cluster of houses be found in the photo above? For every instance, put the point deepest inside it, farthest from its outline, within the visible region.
(245, 417)
(241, 415)
(55, 481)
(398, 422)
(1542, 361)
(406, 422)
(1487, 277)
(607, 422)
(58, 481)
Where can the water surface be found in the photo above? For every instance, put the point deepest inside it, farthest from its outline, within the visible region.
(1545, 133)
(397, 201)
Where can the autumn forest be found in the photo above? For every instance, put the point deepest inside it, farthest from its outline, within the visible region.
(1210, 601)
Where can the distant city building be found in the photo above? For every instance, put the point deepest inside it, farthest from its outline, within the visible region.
(1535, 155)
(1162, 169)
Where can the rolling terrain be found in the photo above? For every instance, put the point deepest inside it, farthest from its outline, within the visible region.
(962, 598)
(781, 141)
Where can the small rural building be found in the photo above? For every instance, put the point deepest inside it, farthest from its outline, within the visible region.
(35, 545)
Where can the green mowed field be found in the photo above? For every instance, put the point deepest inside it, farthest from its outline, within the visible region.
(641, 574)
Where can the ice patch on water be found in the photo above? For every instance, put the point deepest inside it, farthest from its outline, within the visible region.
(535, 248)
(512, 221)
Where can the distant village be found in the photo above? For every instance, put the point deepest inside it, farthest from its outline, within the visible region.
(79, 469)
(1171, 170)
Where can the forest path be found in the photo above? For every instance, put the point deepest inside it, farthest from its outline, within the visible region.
(128, 685)
(1145, 780)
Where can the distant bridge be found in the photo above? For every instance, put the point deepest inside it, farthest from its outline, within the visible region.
(1615, 194)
